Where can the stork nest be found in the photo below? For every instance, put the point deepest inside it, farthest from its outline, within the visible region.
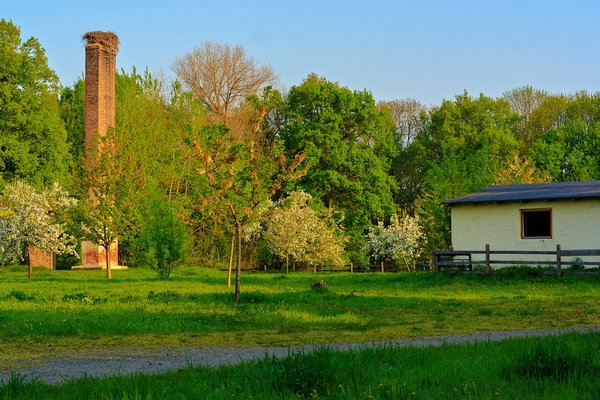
(109, 40)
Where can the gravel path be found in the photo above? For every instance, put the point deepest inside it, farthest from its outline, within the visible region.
(56, 370)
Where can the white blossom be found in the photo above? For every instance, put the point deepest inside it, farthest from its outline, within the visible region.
(27, 217)
(401, 240)
(295, 230)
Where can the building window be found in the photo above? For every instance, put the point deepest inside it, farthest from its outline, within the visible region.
(536, 224)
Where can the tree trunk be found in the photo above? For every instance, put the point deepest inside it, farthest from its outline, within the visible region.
(30, 272)
(287, 264)
(230, 261)
(238, 230)
(106, 246)
(107, 258)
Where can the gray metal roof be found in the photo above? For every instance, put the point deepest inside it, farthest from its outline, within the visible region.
(537, 191)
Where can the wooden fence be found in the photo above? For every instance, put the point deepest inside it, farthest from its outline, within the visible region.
(463, 259)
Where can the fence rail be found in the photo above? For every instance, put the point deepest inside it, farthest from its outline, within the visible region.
(463, 259)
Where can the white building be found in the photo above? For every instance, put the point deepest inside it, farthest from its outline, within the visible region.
(535, 217)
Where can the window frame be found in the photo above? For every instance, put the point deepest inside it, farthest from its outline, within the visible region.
(524, 211)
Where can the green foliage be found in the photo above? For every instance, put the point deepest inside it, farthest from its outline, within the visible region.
(569, 151)
(72, 112)
(33, 143)
(349, 145)
(163, 240)
(155, 127)
(238, 178)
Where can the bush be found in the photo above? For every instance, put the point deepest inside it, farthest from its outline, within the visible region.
(320, 286)
(20, 295)
(163, 240)
(84, 298)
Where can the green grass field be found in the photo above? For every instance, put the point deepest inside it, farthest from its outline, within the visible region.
(59, 312)
(565, 367)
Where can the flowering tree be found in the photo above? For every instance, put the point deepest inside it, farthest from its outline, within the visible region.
(400, 240)
(294, 229)
(28, 218)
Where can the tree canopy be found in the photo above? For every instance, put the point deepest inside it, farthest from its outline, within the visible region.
(33, 139)
(349, 145)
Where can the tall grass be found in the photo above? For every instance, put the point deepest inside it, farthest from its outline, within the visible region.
(514, 369)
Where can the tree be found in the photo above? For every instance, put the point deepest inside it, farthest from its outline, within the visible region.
(525, 100)
(111, 181)
(349, 145)
(33, 144)
(222, 77)
(520, 171)
(72, 113)
(409, 116)
(237, 181)
(550, 114)
(569, 153)
(31, 218)
(401, 240)
(294, 229)
(463, 148)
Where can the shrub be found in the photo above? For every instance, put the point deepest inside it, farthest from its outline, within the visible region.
(163, 240)
(20, 295)
(320, 286)
(84, 298)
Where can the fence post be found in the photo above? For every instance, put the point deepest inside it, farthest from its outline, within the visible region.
(558, 260)
(488, 265)
(351, 267)
(434, 266)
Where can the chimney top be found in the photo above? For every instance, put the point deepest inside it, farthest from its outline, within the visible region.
(108, 39)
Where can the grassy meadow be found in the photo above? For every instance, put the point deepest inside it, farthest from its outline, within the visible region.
(63, 312)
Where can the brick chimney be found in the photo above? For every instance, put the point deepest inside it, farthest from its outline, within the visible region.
(100, 68)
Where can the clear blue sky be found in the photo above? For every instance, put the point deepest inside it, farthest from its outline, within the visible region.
(424, 49)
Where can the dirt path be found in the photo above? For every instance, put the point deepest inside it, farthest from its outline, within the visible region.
(123, 362)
